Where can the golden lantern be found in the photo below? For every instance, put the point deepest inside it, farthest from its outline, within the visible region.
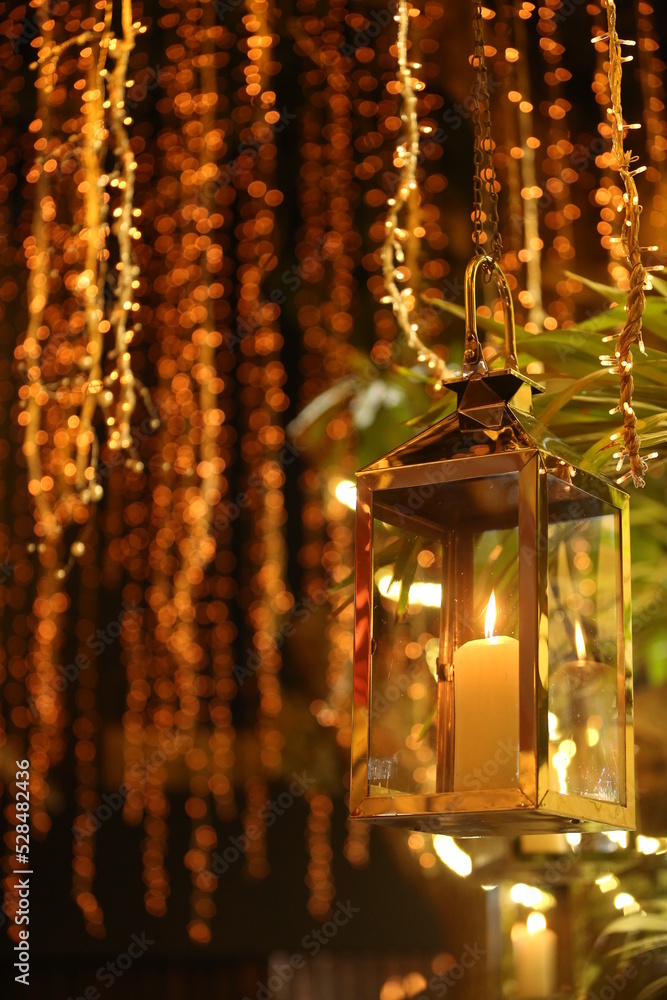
(493, 672)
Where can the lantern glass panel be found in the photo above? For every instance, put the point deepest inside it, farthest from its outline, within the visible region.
(586, 669)
(445, 556)
(406, 630)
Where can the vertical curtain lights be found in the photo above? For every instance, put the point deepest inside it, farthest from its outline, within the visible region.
(71, 369)
(262, 374)
(195, 215)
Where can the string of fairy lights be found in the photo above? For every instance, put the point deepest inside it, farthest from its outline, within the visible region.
(630, 244)
(69, 380)
(151, 255)
(406, 159)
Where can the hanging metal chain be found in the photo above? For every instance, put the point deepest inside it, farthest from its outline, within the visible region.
(483, 157)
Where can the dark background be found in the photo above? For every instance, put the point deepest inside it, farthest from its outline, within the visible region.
(404, 916)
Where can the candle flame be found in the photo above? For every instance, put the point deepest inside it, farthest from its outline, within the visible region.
(490, 622)
(536, 922)
(579, 641)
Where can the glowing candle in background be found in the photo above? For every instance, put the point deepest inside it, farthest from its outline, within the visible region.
(544, 843)
(534, 947)
(583, 726)
(486, 692)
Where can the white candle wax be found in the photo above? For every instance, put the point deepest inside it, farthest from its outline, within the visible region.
(534, 961)
(486, 694)
(544, 843)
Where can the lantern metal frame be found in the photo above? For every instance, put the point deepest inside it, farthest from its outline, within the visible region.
(497, 406)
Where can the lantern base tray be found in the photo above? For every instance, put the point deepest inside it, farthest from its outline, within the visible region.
(504, 823)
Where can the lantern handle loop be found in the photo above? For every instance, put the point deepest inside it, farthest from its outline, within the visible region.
(473, 358)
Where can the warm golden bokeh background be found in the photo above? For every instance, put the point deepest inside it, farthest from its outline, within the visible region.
(166, 627)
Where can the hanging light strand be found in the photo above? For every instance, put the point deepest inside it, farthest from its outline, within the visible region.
(407, 152)
(87, 729)
(636, 302)
(318, 837)
(127, 233)
(485, 174)
(88, 383)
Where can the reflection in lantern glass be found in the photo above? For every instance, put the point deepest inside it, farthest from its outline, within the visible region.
(584, 730)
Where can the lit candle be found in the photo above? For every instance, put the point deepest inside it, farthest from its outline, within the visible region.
(534, 947)
(486, 693)
(583, 727)
(544, 843)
